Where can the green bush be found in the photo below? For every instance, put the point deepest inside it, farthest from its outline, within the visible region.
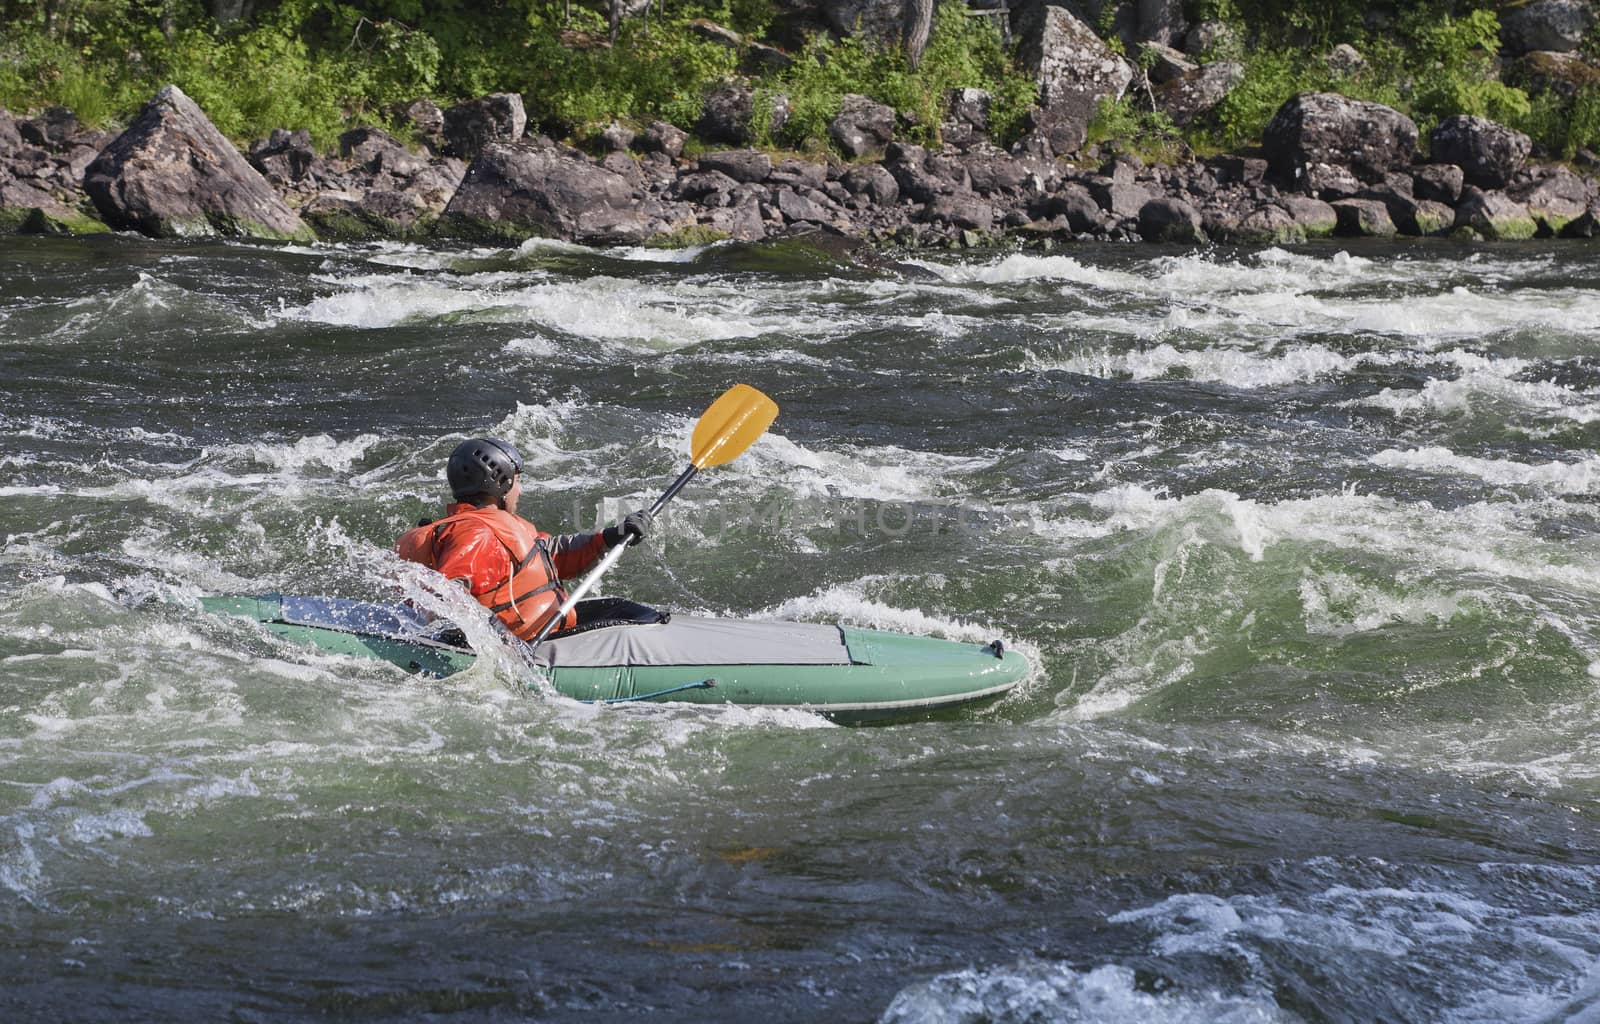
(962, 53)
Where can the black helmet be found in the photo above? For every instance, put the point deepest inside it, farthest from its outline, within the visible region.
(483, 465)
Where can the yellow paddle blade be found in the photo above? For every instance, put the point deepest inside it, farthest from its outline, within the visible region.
(731, 425)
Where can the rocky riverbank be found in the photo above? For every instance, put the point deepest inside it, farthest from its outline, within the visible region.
(1328, 166)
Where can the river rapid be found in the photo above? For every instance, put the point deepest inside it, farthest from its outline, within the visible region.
(1302, 544)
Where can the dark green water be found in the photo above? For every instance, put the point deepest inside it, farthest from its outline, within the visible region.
(1302, 544)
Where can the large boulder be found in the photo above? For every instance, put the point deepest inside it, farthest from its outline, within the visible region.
(1188, 96)
(1315, 217)
(1075, 71)
(1494, 215)
(1165, 219)
(1489, 154)
(535, 188)
(863, 128)
(172, 174)
(1264, 225)
(1555, 198)
(1367, 218)
(874, 182)
(470, 126)
(662, 137)
(1369, 139)
(746, 165)
(1558, 25)
(1438, 182)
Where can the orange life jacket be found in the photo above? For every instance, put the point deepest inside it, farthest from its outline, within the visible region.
(533, 591)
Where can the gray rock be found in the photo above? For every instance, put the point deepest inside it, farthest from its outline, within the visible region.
(10, 137)
(471, 126)
(1185, 98)
(966, 121)
(712, 32)
(1420, 216)
(1494, 215)
(376, 151)
(797, 208)
(760, 57)
(990, 173)
(53, 130)
(1266, 225)
(1208, 37)
(616, 138)
(794, 171)
(873, 181)
(172, 174)
(1565, 74)
(745, 165)
(1074, 70)
(1368, 138)
(618, 162)
(1439, 182)
(1344, 59)
(1319, 219)
(725, 116)
(536, 189)
(1073, 203)
(1330, 181)
(1239, 169)
(1364, 218)
(424, 118)
(437, 183)
(962, 210)
(1122, 201)
(1168, 64)
(662, 137)
(863, 127)
(696, 188)
(741, 222)
(1554, 199)
(880, 20)
(1585, 225)
(950, 169)
(971, 108)
(1170, 220)
(283, 157)
(1558, 25)
(1162, 21)
(1489, 154)
(909, 165)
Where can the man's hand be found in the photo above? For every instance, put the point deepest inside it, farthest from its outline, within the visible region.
(633, 528)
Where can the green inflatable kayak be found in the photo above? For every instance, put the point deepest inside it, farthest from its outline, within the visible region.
(847, 674)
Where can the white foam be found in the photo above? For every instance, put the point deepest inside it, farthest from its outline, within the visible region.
(609, 308)
(1480, 392)
(1581, 477)
(1034, 990)
(1236, 367)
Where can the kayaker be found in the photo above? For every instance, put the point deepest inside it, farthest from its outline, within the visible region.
(505, 561)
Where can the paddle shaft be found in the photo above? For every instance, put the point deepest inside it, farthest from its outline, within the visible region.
(608, 561)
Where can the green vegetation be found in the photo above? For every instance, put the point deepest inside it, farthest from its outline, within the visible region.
(1428, 60)
(327, 65)
(962, 53)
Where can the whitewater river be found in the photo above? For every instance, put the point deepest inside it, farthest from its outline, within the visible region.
(1304, 546)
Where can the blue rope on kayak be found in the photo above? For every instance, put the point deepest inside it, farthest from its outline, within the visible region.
(704, 684)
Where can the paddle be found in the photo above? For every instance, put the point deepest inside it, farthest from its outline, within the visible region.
(726, 429)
